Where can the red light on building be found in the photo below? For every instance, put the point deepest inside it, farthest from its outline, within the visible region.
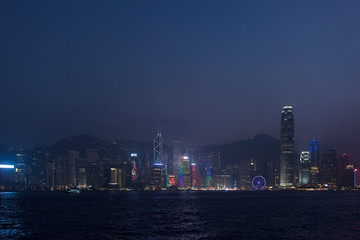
(172, 179)
(193, 167)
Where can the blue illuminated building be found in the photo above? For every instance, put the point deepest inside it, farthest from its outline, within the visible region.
(159, 168)
(314, 152)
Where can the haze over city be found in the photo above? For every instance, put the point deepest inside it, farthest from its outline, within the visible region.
(202, 73)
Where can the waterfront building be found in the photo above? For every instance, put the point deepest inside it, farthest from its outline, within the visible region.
(7, 176)
(314, 151)
(287, 163)
(50, 174)
(187, 172)
(134, 162)
(20, 171)
(172, 180)
(304, 170)
(328, 168)
(95, 169)
(177, 151)
(72, 159)
(36, 175)
(208, 173)
(60, 173)
(159, 169)
(346, 168)
(193, 174)
(117, 177)
(158, 148)
(355, 178)
(221, 181)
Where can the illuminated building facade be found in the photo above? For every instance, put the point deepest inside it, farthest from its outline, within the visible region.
(181, 173)
(314, 151)
(158, 176)
(287, 163)
(158, 148)
(117, 177)
(304, 170)
(177, 151)
(186, 172)
(134, 168)
(193, 174)
(172, 180)
(159, 169)
(21, 169)
(7, 176)
(356, 173)
(208, 173)
(221, 181)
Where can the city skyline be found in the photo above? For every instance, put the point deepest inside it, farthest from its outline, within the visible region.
(260, 162)
(170, 143)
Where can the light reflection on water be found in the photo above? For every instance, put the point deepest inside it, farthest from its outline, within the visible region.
(180, 215)
(11, 222)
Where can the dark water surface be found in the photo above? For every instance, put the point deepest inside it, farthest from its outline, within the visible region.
(180, 215)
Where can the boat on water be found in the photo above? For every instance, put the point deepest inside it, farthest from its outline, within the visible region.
(72, 190)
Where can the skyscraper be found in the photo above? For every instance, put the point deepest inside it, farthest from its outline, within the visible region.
(193, 174)
(177, 151)
(186, 172)
(346, 170)
(72, 158)
(287, 163)
(181, 171)
(314, 159)
(208, 173)
(328, 168)
(134, 166)
(305, 167)
(159, 169)
(158, 148)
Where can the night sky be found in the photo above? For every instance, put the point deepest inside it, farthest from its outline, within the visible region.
(201, 71)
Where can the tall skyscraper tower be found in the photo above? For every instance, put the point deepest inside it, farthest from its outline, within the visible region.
(159, 169)
(314, 159)
(328, 168)
(208, 173)
(346, 168)
(287, 163)
(158, 148)
(305, 165)
(177, 151)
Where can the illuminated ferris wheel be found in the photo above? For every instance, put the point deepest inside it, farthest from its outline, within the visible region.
(258, 182)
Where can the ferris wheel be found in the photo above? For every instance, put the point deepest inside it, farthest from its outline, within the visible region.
(258, 183)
